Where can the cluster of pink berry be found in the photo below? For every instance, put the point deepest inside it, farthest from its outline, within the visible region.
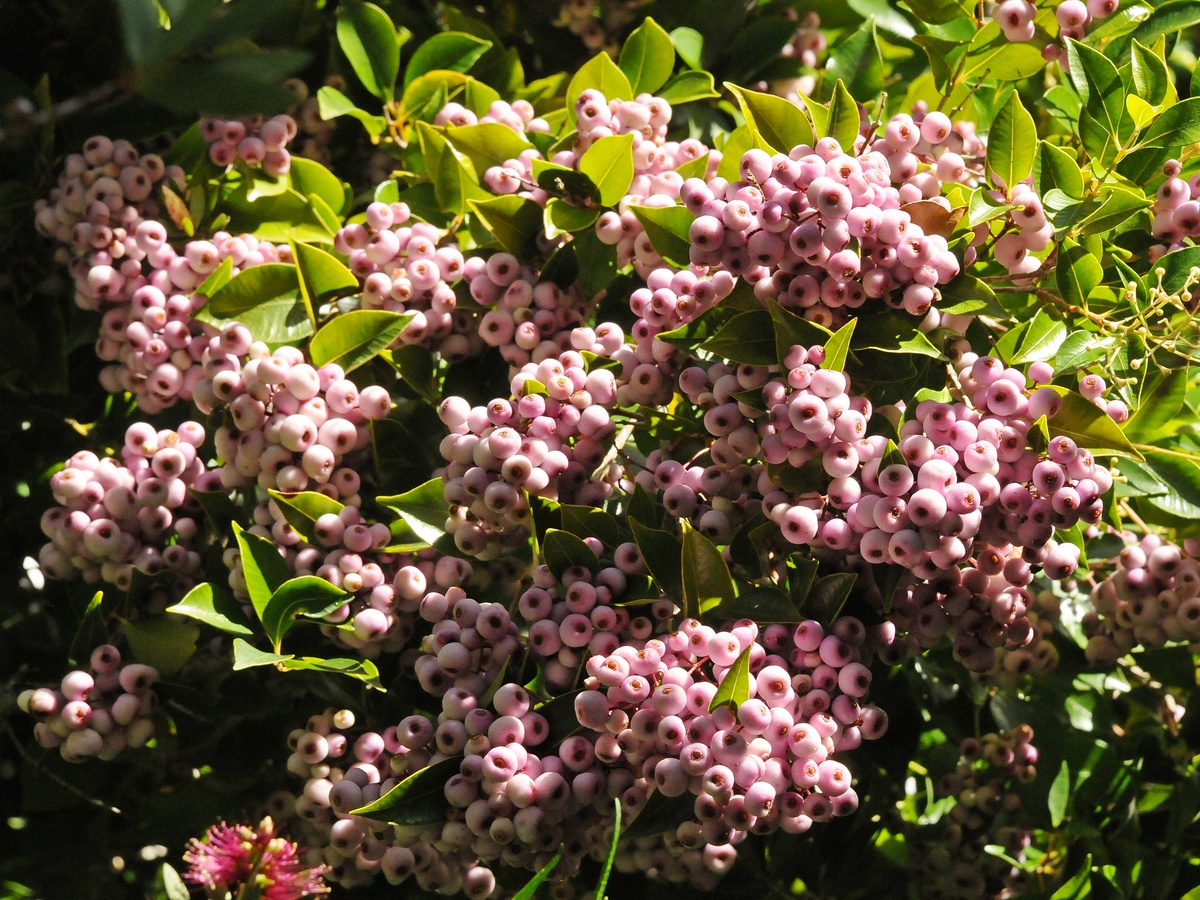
(404, 270)
(98, 712)
(148, 329)
(1176, 208)
(527, 319)
(820, 227)
(1016, 20)
(253, 141)
(115, 517)
(579, 618)
(954, 862)
(1152, 597)
(547, 444)
(518, 115)
(755, 765)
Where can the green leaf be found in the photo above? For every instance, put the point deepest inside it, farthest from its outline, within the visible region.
(734, 689)
(599, 73)
(332, 104)
(609, 164)
(827, 597)
(1056, 168)
(452, 51)
(361, 669)
(662, 552)
(515, 222)
(857, 60)
(1151, 78)
(454, 182)
(661, 813)
(1177, 268)
(247, 656)
(1177, 15)
(1011, 143)
(301, 510)
(746, 338)
(488, 144)
(891, 334)
(218, 279)
(1080, 349)
(705, 576)
(420, 799)
(165, 644)
(776, 124)
(1060, 792)
(1181, 475)
(322, 275)
(647, 57)
(562, 550)
(838, 347)
(307, 596)
(790, 329)
(308, 177)
(939, 12)
(262, 566)
(266, 299)
(561, 721)
(416, 368)
(1103, 94)
(168, 885)
(687, 87)
(765, 605)
(355, 338)
(1161, 399)
(667, 229)
(1077, 273)
(563, 217)
(587, 521)
(1078, 886)
(1090, 427)
(1040, 340)
(531, 886)
(368, 38)
(689, 44)
(967, 294)
(844, 118)
(562, 181)
(215, 606)
(423, 508)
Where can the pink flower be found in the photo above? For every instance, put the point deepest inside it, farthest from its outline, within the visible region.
(252, 862)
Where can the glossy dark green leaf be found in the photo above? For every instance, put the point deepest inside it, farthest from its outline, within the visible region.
(1177, 268)
(1151, 78)
(1041, 339)
(1012, 143)
(765, 605)
(776, 124)
(1078, 273)
(1056, 168)
(267, 300)
(368, 38)
(647, 57)
(417, 368)
(1161, 398)
(561, 721)
(322, 275)
(247, 656)
(307, 596)
(308, 177)
(301, 510)
(609, 164)
(355, 338)
(451, 51)
(587, 521)
(734, 689)
(333, 104)
(515, 221)
(662, 552)
(844, 117)
(262, 567)
(420, 799)
(827, 597)
(561, 550)
(705, 576)
(661, 813)
(1087, 425)
(857, 60)
(1060, 793)
(424, 509)
(562, 216)
(1079, 349)
(165, 644)
(215, 606)
(454, 182)
(218, 279)
(667, 229)
(746, 338)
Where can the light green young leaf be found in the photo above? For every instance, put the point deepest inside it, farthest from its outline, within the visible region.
(647, 57)
(332, 104)
(451, 51)
(368, 38)
(215, 606)
(306, 595)
(734, 689)
(609, 164)
(844, 118)
(776, 124)
(1012, 143)
(301, 510)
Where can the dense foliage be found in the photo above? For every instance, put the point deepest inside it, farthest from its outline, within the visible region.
(600, 448)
